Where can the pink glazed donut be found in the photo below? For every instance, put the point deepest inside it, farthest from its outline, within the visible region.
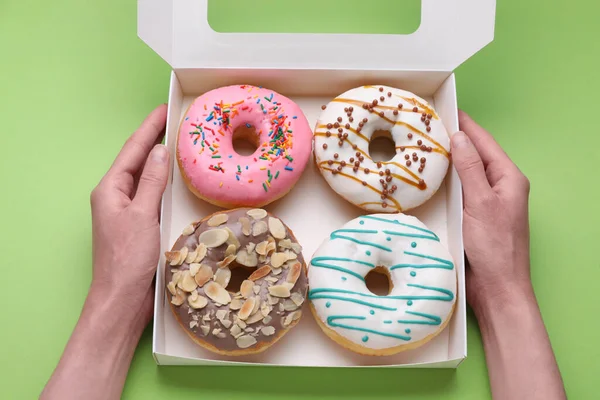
(213, 170)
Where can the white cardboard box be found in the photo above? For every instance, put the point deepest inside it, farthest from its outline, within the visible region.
(202, 59)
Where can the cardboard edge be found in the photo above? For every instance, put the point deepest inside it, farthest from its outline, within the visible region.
(175, 103)
(458, 326)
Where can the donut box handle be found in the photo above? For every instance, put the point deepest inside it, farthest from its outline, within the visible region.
(450, 32)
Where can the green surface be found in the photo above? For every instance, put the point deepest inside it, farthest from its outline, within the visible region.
(75, 81)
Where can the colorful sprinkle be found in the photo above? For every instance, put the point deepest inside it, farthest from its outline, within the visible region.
(328, 304)
(413, 273)
(372, 312)
(365, 338)
(413, 244)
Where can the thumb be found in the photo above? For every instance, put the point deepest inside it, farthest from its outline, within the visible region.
(153, 179)
(469, 166)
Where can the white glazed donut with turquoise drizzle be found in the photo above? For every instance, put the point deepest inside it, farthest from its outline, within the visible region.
(423, 284)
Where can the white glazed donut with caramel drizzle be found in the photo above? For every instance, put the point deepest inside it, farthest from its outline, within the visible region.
(342, 136)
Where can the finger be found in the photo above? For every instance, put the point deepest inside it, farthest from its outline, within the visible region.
(489, 150)
(469, 166)
(135, 151)
(153, 179)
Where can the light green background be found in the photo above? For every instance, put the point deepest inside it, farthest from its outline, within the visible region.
(75, 81)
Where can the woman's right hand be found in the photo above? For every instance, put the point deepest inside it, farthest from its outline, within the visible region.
(495, 222)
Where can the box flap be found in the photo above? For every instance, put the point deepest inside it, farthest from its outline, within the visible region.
(450, 32)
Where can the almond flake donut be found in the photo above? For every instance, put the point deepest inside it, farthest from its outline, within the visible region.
(268, 303)
(422, 281)
(345, 129)
(212, 169)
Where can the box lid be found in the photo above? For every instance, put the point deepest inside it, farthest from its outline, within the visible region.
(450, 32)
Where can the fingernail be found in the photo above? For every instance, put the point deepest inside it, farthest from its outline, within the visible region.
(159, 153)
(459, 139)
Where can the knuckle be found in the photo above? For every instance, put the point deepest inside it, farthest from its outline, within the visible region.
(487, 201)
(96, 195)
(151, 178)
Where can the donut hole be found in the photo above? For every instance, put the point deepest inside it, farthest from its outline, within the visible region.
(245, 140)
(379, 281)
(239, 274)
(382, 146)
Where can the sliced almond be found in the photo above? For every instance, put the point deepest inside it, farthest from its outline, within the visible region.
(232, 239)
(236, 331)
(191, 257)
(187, 282)
(172, 257)
(200, 252)
(246, 288)
(265, 309)
(250, 247)
(296, 248)
(182, 255)
(193, 324)
(277, 259)
(239, 322)
(267, 330)
(291, 255)
(214, 237)
(206, 316)
(288, 285)
(246, 259)
(277, 271)
(228, 260)
(197, 301)
(261, 248)
(271, 247)
(217, 293)
(297, 298)
(256, 289)
(231, 250)
(294, 272)
(267, 319)
(176, 277)
(222, 276)
(271, 279)
(205, 329)
(276, 228)
(254, 318)
(188, 230)
(280, 307)
(247, 308)
(218, 219)
(273, 300)
(259, 228)
(243, 342)
(226, 323)
(260, 273)
(221, 314)
(216, 331)
(289, 305)
(179, 298)
(221, 335)
(294, 316)
(203, 275)
(256, 305)
(236, 304)
(246, 227)
(257, 213)
(285, 244)
(172, 288)
(279, 291)
(262, 259)
(194, 268)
